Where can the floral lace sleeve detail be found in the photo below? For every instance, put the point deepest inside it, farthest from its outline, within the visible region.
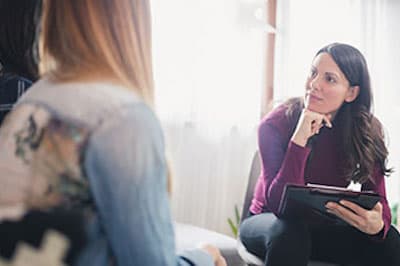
(41, 161)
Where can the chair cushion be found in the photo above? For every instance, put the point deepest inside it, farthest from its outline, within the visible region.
(189, 236)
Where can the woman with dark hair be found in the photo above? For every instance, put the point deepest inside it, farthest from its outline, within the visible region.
(19, 23)
(330, 138)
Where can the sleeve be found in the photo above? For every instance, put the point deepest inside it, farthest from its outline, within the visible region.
(378, 186)
(282, 163)
(126, 168)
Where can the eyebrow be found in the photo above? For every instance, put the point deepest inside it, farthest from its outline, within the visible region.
(333, 74)
(314, 68)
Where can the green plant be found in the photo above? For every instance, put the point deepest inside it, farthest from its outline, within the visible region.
(394, 209)
(234, 225)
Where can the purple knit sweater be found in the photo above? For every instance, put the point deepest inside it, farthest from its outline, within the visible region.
(284, 162)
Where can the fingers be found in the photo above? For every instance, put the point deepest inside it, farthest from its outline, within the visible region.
(327, 119)
(345, 214)
(318, 123)
(308, 125)
(361, 211)
(221, 261)
(215, 254)
(367, 221)
(378, 207)
(316, 127)
(319, 119)
(354, 207)
(323, 120)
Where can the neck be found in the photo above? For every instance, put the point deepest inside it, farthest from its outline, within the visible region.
(333, 114)
(84, 75)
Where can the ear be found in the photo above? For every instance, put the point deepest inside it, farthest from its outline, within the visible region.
(352, 94)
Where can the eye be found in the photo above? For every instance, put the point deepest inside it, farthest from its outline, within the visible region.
(330, 79)
(313, 73)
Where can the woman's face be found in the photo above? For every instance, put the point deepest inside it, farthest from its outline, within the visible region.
(327, 87)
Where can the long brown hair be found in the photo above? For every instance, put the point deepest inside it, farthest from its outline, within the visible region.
(99, 39)
(362, 146)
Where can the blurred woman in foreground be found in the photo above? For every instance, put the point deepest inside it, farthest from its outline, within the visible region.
(85, 136)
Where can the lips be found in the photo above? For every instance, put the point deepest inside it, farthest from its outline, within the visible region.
(314, 97)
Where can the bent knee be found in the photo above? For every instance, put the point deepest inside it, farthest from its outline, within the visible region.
(266, 227)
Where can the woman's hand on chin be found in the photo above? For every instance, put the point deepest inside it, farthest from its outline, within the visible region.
(308, 125)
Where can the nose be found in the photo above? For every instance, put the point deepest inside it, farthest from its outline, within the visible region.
(315, 83)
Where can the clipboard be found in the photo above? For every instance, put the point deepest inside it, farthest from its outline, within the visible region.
(308, 201)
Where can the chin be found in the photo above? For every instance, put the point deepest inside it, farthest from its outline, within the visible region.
(318, 109)
(314, 108)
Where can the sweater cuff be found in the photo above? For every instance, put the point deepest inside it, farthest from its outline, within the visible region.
(385, 229)
(300, 150)
(296, 158)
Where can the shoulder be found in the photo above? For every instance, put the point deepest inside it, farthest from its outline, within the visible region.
(284, 117)
(133, 132)
(277, 115)
(90, 102)
(97, 92)
(137, 117)
(127, 149)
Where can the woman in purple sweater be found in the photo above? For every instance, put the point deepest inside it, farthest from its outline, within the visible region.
(330, 137)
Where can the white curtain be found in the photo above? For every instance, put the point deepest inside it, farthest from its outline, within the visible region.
(371, 25)
(209, 61)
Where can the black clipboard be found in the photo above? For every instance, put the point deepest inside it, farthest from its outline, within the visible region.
(308, 201)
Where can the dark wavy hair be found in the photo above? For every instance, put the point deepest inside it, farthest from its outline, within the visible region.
(19, 26)
(363, 147)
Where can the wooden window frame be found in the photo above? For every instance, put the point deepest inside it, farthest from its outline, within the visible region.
(268, 90)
